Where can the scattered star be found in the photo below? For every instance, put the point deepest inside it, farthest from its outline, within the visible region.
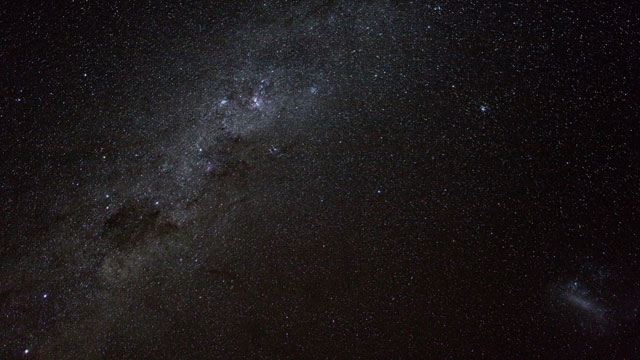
(501, 136)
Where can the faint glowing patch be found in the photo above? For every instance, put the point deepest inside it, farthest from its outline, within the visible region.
(257, 102)
(580, 302)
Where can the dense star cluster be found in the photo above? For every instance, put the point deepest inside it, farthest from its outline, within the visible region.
(319, 179)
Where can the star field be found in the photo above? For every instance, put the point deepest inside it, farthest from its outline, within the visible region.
(319, 179)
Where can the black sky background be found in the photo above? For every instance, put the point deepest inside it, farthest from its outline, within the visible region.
(423, 180)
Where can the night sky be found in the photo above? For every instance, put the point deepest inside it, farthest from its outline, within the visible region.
(319, 179)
